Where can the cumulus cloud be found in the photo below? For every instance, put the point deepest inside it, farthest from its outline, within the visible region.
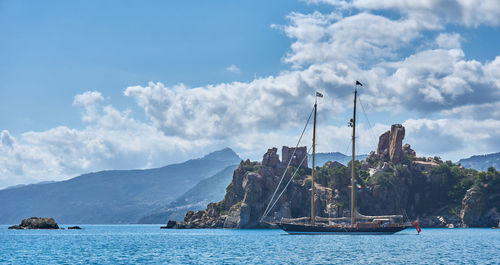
(111, 140)
(453, 138)
(360, 38)
(225, 110)
(449, 40)
(440, 79)
(90, 101)
(328, 53)
(467, 12)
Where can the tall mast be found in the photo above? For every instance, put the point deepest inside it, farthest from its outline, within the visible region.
(313, 156)
(353, 177)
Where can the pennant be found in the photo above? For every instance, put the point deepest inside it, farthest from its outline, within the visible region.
(358, 83)
(417, 226)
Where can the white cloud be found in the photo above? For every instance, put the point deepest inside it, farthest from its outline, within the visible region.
(361, 38)
(449, 40)
(90, 101)
(233, 69)
(476, 112)
(328, 53)
(453, 138)
(112, 140)
(225, 110)
(467, 12)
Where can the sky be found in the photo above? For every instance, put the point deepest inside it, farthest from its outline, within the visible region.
(96, 85)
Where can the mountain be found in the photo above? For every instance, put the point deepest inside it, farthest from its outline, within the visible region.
(207, 190)
(482, 162)
(116, 196)
(322, 158)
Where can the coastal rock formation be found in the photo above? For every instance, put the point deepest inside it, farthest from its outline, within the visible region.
(395, 143)
(391, 181)
(36, 223)
(408, 151)
(383, 145)
(250, 190)
(440, 221)
(479, 209)
(390, 144)
(473, 205)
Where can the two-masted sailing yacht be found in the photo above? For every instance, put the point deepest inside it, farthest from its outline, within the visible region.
(358, 223)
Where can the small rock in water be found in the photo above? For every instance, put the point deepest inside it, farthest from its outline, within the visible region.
(36, 223)
(170, 224)
(74, 227)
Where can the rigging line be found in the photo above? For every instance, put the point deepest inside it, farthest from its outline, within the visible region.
(288, 183)
(349, 145)
(289, 161)
(374, 140)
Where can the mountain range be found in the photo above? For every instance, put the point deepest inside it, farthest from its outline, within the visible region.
(116, 196)
(482, 162)
(146, 196)
(207, 190)
(322, 158)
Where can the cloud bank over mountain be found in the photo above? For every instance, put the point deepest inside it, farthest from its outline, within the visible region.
(408, 55)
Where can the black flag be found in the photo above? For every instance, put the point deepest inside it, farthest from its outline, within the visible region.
(358, 83)
(319, 95)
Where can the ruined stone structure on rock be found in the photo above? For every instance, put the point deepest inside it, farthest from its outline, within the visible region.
(271, 158)
(300, 154)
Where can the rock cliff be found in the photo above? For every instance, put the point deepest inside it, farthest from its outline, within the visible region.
(390, 181)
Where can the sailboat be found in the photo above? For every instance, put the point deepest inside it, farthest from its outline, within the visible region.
(358, 223)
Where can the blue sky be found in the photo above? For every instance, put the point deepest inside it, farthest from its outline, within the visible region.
(94, 85)
(57, 49)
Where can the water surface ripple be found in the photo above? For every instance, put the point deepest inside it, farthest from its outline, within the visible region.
(147, 244)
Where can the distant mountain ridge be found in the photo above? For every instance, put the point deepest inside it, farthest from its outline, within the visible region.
(322, 158)
(482, 162)
(207, 190)
(116, 196)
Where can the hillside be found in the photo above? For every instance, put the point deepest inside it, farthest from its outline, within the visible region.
(481, 162)
(117, 196)
(207, 190)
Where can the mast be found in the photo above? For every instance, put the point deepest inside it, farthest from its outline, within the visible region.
(313, 156)
(353, 177)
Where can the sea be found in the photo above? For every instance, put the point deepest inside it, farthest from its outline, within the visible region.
(148, 244)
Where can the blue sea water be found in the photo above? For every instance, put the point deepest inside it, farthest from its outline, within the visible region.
(147, 244)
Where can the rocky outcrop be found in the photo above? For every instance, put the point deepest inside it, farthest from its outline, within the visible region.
(440, 221)
(390, 144)
(476, 209)
(408, 151)
(250, 191)
(36, 223)
(473, 205)
(391, 180)
(383, 145)
(395, 143)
